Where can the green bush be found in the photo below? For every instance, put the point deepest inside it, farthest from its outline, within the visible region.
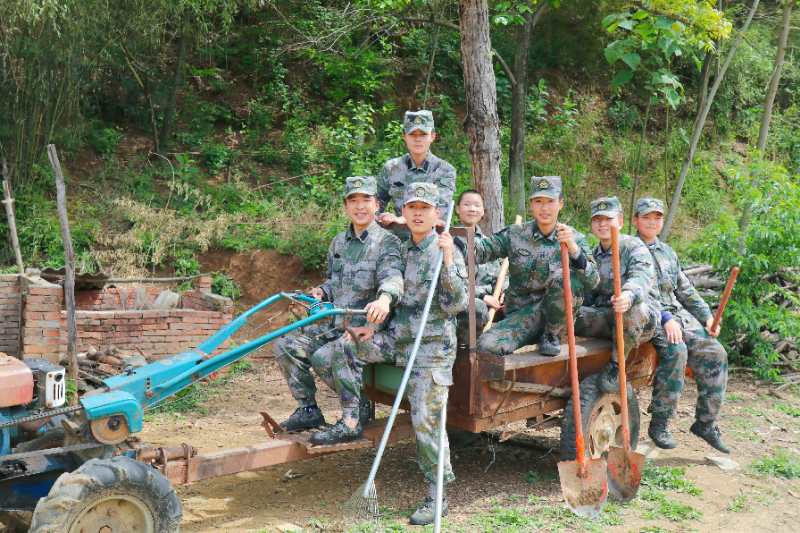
(105, 140)
(225, 286)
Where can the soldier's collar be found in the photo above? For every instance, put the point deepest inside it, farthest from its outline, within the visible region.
(537, 233)
(424, 243)
(411, 165)
(351, 232)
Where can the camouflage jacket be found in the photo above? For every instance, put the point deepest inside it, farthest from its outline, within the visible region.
(486, 273)
(638, 275)
(676, 293)
(438, 346)
(360, 267)
(534, 261)
(399, 172)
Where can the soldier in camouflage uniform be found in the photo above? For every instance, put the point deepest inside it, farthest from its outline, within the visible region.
(418, 165)
(364, 270)
(535, 297)
(431, 375)
(469, 208)
(640, 311)
(688, 328)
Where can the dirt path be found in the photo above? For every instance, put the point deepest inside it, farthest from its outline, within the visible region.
(508, 487)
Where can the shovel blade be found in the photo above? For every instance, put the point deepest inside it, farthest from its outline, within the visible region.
(585, 493)
(624, 473)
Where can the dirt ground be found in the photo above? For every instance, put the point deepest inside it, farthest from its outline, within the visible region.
(500, 487)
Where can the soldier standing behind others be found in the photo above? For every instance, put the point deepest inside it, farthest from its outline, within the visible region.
(535, 297)
(418, 165)
(688, 325)
(431, 375)
(640, 311)
(364, 270)
(469, 208)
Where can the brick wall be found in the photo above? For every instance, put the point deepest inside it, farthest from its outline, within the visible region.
(156, 333)
(9, 314)
(113, 298)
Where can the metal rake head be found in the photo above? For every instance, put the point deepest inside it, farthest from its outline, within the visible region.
(363, 504)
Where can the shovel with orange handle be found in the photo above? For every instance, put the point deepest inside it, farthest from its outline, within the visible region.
(584, 482)
(624, 465)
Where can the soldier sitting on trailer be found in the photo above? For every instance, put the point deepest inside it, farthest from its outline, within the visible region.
(418, 165)
(365, 270)
(469, 208)
(535, 300)
(688, 329)
(432, 372)
(640, 310)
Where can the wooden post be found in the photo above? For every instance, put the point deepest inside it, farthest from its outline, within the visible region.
(69, 265)
(12, 221)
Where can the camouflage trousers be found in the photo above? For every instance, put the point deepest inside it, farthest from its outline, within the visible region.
(669, 376)
(639, 324)
(300, 351)
(462, 321)
(427, 393)
(525, 325)
(709, 363)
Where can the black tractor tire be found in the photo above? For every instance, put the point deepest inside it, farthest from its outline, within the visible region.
(597, 408)
(124, 494)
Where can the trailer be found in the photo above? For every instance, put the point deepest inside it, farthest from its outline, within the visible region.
(76, 469)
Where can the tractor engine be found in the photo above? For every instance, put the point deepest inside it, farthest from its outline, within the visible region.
(27, 387)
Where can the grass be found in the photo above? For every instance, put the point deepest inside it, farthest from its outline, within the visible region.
(658, 506)
(740, 503)
(781, 464)
(791, 410)
(506, 520)
(669, 478)
(192, 398)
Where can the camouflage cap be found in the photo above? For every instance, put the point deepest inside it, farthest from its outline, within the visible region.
(418, 120)
(649, 205)
(607, 206)
(360, 185)
(545, 186)
(422, 192)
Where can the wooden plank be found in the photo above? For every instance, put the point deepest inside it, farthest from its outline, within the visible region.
(528, 356)
(532, 388)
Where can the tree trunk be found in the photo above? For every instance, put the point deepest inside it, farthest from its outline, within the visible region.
(774, 81)
(169, 109)
(481, 123)
(519, 105)
(700, 121)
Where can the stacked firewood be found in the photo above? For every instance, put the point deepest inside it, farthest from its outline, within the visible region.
(96, 365)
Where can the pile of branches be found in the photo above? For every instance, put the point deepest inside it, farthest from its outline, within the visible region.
(96, 365)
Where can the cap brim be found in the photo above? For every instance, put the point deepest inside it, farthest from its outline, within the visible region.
(360, 191)
(608, 214)
(414, 128)
(417, 199)
(544, 194)
(648, 211)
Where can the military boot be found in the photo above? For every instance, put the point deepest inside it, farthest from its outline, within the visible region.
(304, 417)
(659, 432)
(426, 512)
(608, 378)
(550, 344)
(709, 432)
(336, 434)
(364, 411)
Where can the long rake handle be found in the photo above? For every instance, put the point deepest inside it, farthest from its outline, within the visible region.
(498, 286)
(437, 520)
(573, 360)
(409, 365)
(726, 295)
(620, 337)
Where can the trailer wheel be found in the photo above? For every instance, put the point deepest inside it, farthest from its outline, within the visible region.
(602, 421)
(109, 495)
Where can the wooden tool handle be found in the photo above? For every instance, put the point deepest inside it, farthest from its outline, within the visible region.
(620, 340)
(573, 359)
(726, 295)
(498, 287)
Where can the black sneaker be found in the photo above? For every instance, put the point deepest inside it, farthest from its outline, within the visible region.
(709, 432)
(659, 432)
(364, 411)
(426, 512)
(336, 434)
(303, 418)
(549, 344)
(608, 379)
